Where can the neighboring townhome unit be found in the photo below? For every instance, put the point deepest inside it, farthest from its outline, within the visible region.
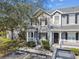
(59, 26)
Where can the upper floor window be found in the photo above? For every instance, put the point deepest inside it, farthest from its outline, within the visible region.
(64, 19)
(56, 19)
(43, 21)
(71, 18)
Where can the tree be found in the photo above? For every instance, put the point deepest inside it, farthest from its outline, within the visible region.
(9, 21)
(15, 16)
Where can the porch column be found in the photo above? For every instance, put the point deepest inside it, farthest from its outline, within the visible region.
(33, 36)
(60, 39)
(27, 36)
(50, 38)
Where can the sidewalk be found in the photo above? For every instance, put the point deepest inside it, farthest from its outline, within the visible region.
(77, 57)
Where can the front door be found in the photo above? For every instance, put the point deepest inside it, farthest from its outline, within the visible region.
(56, 37)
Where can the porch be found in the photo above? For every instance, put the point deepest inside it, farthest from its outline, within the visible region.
(36, 36)
(65, 39)
(59, 38)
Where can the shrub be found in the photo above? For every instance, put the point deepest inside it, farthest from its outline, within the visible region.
(7, 44)
(31, 44)
(75, 51)
(45, 44)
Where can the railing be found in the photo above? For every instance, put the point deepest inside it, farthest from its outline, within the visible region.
(70, 42)
(41, 28)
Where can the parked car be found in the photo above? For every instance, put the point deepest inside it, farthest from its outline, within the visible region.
(63, 54)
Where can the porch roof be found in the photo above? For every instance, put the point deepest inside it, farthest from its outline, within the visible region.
(66, 28)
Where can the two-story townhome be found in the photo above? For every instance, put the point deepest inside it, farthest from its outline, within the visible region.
(59, 26)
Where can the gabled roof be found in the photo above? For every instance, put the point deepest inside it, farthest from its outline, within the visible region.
(39, 11)
(56, 11)
(67, 10)
(61, 10)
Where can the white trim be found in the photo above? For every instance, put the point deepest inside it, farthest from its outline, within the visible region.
(65, 30)
(59, 15)
(70, 40)
(56, 11)
(66, 46)
(36, 11)
(70, 25)
(50, 38)
(39, 9)
(60, 40)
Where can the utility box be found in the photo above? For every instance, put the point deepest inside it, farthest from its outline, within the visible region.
(63, 54)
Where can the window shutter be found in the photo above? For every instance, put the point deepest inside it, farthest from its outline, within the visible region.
(46, 36)
(39, 36)
(66, 35)
(31, 34)
(45, 22)
(67, 19)
(76, 36)
(75, 18)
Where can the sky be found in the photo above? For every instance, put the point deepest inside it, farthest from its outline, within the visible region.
(54, 4)
(51, 4)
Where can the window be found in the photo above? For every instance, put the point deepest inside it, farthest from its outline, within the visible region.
(64, 35)
(43, 22)
(46, 22)
(71, 18)
(71, 36)
(30, 34)
(56, 20)
(64, 19)
(77, 18)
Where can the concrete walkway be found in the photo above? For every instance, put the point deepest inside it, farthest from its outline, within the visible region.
(77, 57)
(38, 52)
